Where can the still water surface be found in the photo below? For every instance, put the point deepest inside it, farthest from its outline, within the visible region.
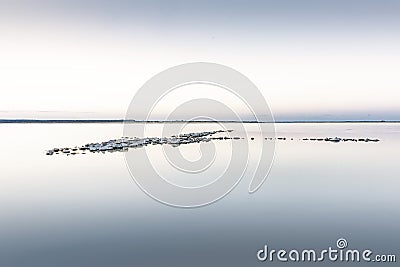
(86, 210)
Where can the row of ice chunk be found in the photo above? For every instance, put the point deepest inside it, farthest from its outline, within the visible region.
(124, 143)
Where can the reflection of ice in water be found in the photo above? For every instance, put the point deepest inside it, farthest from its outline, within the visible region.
(206, 162)
(191, 153)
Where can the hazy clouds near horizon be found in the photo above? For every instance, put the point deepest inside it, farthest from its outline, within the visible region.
(310, 59)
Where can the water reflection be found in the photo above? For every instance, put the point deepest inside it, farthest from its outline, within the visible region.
(87, 211)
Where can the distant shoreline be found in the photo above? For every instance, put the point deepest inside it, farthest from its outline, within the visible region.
(180, 121)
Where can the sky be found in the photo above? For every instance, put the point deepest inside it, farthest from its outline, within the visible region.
(312, 60)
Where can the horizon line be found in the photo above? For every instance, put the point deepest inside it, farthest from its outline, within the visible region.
(180, 121)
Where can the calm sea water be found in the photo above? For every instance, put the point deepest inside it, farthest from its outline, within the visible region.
(86, 210)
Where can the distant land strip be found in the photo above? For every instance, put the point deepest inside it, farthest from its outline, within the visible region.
(181, 121)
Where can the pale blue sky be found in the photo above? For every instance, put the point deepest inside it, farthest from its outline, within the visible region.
(310, 59)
